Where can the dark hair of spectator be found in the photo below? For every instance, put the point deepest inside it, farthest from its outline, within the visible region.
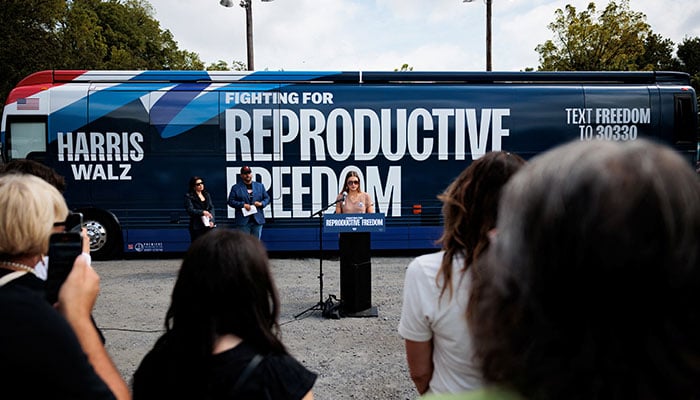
(470, 207)
(31, 167)
(225, 286)
(591, 287)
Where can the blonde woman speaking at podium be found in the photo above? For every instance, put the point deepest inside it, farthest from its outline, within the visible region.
(353, 200)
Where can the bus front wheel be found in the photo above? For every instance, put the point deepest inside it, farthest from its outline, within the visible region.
(104, 233)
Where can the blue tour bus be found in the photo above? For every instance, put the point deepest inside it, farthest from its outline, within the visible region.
(128, 141)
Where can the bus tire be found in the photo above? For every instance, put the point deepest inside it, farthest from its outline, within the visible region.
(104, 233)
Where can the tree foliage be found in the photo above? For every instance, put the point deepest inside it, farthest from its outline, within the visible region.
(689, 55)
(84, 34)
(222, 65)
(614, 39)
(404, 68)
(689, 60)
(658, 54)
(29, 34)
(122, 34)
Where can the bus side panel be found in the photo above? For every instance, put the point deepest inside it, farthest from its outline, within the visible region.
(408, 142)
(140, 142)
(628, 115)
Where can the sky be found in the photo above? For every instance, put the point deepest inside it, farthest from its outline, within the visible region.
(382, 35)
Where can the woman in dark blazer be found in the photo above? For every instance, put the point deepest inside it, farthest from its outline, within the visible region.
(199, 207)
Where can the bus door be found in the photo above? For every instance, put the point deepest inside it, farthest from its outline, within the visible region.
(686, 132)
(110, 146)
(621, 113)
(183, 140)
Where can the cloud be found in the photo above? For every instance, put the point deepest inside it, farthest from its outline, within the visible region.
(383, 35)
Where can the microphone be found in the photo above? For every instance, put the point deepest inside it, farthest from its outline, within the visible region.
(345, 196)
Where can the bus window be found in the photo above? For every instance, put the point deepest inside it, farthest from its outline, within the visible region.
(24, 137)
(684, 119)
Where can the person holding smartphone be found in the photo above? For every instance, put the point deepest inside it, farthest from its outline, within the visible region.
(48, 174)
(47, 351)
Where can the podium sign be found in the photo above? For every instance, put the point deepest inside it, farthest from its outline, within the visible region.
(346, 223)
(355, 263)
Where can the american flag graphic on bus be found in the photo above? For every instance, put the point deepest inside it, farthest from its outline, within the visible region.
(28, 104)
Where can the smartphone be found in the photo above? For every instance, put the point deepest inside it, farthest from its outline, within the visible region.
(74, 222)
(64, 248)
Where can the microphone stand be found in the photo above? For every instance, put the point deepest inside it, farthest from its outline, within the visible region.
(319, 306)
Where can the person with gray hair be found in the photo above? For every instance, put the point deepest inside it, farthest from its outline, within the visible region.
(592, 283)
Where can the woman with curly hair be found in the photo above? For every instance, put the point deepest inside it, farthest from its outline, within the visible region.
(433, 322)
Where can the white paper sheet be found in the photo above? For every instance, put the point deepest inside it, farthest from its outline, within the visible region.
(252, 210)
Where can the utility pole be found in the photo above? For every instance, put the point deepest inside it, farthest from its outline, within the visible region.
(248, 6)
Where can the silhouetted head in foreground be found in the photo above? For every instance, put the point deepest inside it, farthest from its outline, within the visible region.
(225, 287)
(31, 167)
(592, 284)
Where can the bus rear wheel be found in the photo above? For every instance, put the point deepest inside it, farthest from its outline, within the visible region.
(104, 234)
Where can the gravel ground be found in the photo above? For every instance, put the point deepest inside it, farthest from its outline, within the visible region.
(355, 358)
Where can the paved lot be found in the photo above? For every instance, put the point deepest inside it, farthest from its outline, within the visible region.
(356, 358)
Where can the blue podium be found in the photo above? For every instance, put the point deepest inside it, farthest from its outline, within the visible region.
(355, 260)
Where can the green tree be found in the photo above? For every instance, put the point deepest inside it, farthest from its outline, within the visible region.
(613, 39)
(116, 34)
(658, 54)
(689, 55)
(29, 37)
(404, 68)
(689, 60)
(222, 65)
(239, 66)
(82, 39)
(84, 34)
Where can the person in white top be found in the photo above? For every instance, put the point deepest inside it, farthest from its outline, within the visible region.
(437, 286)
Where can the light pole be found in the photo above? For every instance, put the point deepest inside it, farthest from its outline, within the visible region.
(248, 5)
(488, 32)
